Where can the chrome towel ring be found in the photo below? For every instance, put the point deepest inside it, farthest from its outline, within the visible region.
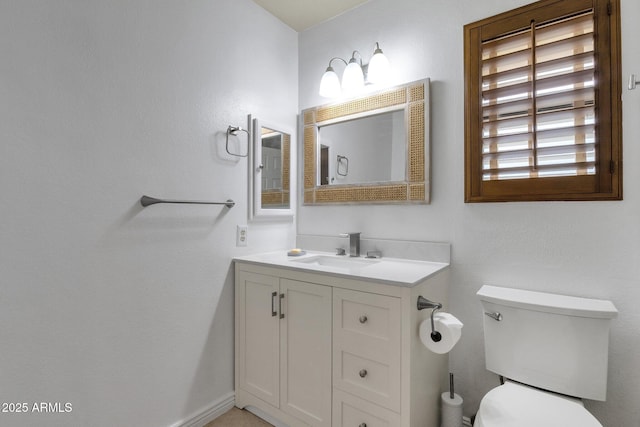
(233, 130)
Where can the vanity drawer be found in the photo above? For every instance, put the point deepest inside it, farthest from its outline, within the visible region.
(366, 346)
(367, 378)
(370, 315)
(370, 319)
(349, 411)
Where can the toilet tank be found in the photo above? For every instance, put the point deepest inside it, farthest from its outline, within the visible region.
(554, 342)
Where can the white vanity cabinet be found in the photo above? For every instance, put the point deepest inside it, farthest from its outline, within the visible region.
(346, 354)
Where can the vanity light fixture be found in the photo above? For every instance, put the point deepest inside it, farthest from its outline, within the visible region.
(330, 83)
(355, 74)
(379, 68)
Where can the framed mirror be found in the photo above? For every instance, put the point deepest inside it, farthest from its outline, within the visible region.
(271, 171)
(371, 149)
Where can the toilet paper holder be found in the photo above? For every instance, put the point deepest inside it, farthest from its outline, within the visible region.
(423, 304)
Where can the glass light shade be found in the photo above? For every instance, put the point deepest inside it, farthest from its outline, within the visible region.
(330, 84)
(353, 78)
(379, 68)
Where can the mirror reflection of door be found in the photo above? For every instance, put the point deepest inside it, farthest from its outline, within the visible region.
(272, 162)
(324, 165)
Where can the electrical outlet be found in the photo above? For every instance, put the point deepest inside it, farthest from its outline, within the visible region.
(241, 235)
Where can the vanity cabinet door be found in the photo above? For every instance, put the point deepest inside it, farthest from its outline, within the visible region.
(305, 352)
(259, 336)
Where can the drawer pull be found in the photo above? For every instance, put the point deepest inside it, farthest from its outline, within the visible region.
(363, 425)
(363, 373)
(363, 319)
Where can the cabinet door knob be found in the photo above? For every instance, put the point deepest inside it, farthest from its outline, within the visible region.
(363, 373)
(363, 319)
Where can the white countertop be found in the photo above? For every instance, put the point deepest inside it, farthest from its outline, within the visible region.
(391, 271)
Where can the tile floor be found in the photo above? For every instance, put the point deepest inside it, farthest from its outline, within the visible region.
(238, 418)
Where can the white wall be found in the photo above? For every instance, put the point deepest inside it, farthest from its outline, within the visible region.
(580, 248)
(127, 313)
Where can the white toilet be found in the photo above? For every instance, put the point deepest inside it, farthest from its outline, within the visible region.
(552, 351)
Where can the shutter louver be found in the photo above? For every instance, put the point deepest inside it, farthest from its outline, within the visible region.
(538, 101)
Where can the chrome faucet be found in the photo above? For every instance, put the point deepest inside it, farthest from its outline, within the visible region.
(354, 243)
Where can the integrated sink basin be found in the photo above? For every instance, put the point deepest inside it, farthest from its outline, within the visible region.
(342, 262)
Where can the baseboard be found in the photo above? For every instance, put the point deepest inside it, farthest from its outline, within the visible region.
(208, 413)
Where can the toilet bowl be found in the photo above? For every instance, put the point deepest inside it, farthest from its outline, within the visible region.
(553, 349)
(518, 405)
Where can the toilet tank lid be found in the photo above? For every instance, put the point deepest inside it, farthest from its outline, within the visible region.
(549, 303)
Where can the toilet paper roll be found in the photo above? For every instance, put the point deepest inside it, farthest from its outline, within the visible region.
(449, 327)
(451, 410)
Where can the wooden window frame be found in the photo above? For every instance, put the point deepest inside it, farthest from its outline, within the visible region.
(606, 184)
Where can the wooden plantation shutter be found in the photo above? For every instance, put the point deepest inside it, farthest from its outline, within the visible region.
(540, 115)
(538, 101)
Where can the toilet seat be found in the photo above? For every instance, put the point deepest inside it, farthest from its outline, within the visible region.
(513, 404)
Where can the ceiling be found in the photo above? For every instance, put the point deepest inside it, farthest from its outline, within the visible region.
(303, 14)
